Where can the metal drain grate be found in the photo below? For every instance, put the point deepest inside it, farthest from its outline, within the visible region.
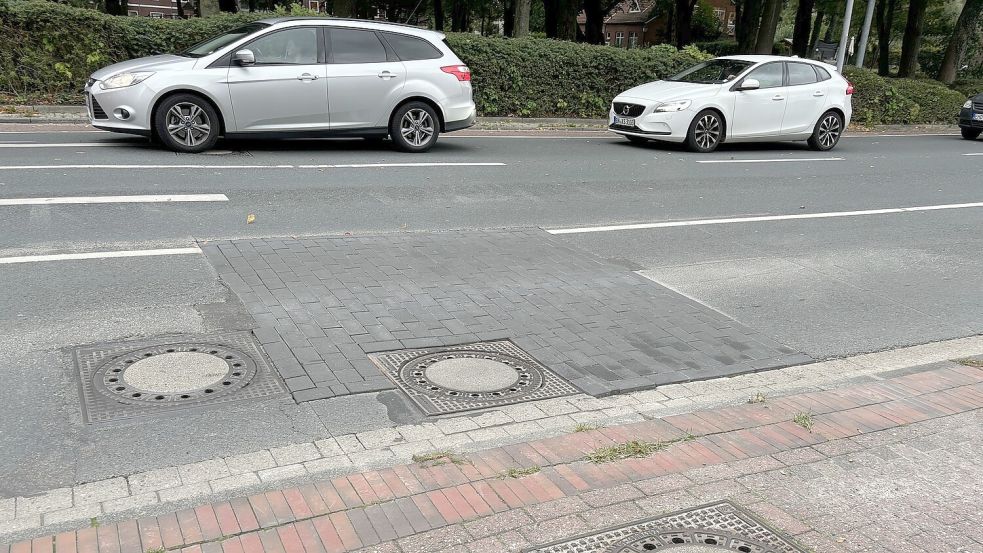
(471, 376)
(151, 377)
(720, 526)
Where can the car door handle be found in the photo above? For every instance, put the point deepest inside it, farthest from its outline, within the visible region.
(307, 77)
(778, 97)
(818, 93)
(387, 75)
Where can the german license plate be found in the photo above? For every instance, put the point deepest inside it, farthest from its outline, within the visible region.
(624, 121)
(978, 117)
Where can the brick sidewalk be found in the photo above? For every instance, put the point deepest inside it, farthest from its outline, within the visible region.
(509, 498)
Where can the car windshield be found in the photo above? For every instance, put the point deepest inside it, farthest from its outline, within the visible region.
(716, 71)
(214, 44)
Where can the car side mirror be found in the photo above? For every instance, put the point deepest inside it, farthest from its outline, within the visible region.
(750, 84)
(244, 57)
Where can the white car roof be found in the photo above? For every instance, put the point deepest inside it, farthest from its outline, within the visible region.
(358, 23)
(759, 58)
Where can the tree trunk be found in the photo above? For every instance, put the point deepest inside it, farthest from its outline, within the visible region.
(885, 19)
(803, 24)
(816, 30)
(684, 21)
(116, 7)
(969, 17)
(229, 6)
(594, 26)
(508, 18)
(344, 8)
(748, 21)
(460, 16)
(522, 9)
(769, 24)
(551, 17)
(831, 27)
(567, 27)
(438, 14)
(912, 41)
(180, 8)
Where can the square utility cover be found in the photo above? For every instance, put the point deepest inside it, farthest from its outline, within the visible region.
(151, 377)
(720, 526)
(471, 376)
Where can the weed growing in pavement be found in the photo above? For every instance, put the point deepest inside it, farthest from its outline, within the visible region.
(94, 522)
(970, 362)
(804, 420)
(758, 397)
(437, 458)
(632, 449)
(586, 427)
(519, 473)
(156, 550)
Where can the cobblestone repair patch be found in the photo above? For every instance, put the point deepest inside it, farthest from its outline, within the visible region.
(322, 304)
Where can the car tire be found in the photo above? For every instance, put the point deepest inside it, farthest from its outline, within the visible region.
(637, 139)
(971, 134)
(414, 127)
(186, 123)
(706, 132)
(826, 134)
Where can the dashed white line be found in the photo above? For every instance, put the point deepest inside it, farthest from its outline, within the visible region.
(71, 144)
(282, 166)
(145, 199)
(776, 160)
(98, 255)
(974, 154)
(758, 219)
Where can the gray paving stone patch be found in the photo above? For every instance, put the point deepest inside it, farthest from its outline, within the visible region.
(323, 304)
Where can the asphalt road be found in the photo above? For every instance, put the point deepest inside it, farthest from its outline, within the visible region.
(827, 285)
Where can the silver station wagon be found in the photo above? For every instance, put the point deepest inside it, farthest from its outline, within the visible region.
(291, 77)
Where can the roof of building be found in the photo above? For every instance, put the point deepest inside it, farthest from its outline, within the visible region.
(630, 12)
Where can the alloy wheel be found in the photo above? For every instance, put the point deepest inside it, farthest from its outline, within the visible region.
(707, 131)
(829, 131)
(417, 127)
(188, 123)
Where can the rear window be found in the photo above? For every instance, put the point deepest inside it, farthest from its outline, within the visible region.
(822, 73)
(800, 73)
(355, 46)
(410, 48)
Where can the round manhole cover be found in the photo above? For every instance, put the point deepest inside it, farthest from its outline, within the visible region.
(176, 372)
(186, 373)
(468, 374)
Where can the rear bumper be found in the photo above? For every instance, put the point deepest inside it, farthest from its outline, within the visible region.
(469, 121)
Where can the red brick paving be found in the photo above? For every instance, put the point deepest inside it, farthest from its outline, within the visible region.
(359, 510)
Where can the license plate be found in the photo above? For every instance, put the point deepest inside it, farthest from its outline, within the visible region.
(624, 121)
(978, 117)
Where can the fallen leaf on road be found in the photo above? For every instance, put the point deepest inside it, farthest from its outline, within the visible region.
(250, 219)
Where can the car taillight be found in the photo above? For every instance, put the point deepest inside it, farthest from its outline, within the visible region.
(460, 71)
(849, 87)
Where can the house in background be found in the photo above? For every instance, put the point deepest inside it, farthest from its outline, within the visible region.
(160, 9)
(637, 23)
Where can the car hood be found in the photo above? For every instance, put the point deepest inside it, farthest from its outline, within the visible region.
(665, 91)
(149, 63)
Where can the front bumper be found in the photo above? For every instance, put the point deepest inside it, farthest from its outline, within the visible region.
(120, 109)
(669, 126)
(966, 120)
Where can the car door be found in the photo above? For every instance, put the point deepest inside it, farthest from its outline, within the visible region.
(759, 112)
(364, 79)
(806, 98)
(286, 88)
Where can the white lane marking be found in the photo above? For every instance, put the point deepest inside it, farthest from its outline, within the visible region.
(99, 255)
(606, 136)
(729, 220)
(776, 160)
(73, 144)
(116, 199)
(974, 154)
(202, 166)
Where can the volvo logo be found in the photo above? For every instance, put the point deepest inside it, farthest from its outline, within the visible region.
(626, 110)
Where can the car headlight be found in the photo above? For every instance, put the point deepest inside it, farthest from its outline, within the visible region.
(968, 104)
(128, 78)
(678, 105)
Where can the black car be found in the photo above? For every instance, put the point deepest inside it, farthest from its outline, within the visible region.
(971, 117)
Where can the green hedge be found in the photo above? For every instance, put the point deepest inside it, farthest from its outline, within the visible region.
(50, 49)
(880, 100)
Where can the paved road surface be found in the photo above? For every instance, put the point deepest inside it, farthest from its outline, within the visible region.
(826, 286)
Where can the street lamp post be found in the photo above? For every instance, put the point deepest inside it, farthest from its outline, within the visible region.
(844, 36)
(865, 33)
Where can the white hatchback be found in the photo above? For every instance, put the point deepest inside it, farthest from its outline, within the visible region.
(738, 99)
